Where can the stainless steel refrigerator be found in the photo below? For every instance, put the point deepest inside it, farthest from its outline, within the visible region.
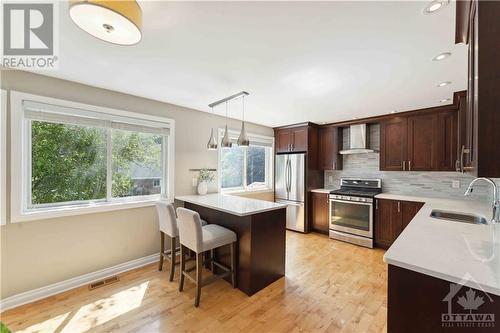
(289, 188)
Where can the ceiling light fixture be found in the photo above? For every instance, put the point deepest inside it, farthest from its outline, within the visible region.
(442, 84)
(212, 143)
(445, 100)
(226, 143)
(441, 56)
(393, 111)
(243, 138)
(435, 6)
(117, 22)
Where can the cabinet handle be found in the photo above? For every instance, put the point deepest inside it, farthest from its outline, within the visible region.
(399, 206)
(293, 147)
(409, 165)
(404, 165)
(376, 204)
(334, 165)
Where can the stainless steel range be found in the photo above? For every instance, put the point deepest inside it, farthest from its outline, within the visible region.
(351, 210)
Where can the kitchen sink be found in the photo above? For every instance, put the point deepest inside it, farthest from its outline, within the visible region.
(458, 217)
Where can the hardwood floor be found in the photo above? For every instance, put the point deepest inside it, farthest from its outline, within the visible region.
(329, 286)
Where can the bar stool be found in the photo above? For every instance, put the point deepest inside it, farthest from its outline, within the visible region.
(168, 225)
(200, 239)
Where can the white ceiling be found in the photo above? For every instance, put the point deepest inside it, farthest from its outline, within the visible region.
(320, 62)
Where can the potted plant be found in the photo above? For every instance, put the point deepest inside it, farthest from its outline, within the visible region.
(204, 178)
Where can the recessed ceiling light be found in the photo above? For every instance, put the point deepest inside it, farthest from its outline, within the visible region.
(355, 118)
(445, 100)
(322, 123)
(442, 56)
(442, 84)
(394, 111)
(435, 5)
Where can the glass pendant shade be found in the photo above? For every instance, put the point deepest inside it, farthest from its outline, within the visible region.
(243, 138)
(117, 22)
(212, 143)
(226, 143)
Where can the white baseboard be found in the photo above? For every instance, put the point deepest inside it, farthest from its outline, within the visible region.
(59, 287)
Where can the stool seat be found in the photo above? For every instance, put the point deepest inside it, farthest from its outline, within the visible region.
(216, 236)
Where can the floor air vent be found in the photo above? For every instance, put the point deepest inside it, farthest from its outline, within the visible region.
(104, 282)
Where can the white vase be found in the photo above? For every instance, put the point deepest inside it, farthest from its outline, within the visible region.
(202, 188)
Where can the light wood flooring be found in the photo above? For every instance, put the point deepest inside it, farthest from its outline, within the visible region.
(330, 286)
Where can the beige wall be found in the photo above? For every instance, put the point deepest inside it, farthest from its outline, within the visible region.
(39, 253)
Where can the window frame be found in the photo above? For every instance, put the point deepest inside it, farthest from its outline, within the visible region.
(3, 157)
(269, 143)
(21, 160)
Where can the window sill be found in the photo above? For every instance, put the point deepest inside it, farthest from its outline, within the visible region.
(48, 213)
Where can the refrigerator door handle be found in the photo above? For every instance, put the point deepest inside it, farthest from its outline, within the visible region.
(289, 175)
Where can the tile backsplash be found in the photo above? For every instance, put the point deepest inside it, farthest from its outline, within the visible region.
(430, 184)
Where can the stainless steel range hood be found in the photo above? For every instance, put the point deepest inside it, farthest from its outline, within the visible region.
(358, 140)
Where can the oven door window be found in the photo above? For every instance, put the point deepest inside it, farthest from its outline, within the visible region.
(351, 215)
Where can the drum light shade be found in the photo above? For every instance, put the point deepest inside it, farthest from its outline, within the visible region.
(117, 22)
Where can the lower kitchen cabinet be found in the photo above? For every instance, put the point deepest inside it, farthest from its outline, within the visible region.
(391, 217)
(319, 212)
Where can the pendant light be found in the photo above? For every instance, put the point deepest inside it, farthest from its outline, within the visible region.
(226, 143)
(117, 22)
(212, 143)
(243, 138)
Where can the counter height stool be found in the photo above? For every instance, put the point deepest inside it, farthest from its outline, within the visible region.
(200, 239)
(168, 226)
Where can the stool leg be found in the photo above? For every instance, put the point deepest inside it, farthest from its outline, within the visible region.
(199, 265)
(162, 250)
(172, 258)
(233, 264)
(212, 258)
(183, 267)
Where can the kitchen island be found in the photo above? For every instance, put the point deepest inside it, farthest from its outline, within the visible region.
(260, 227)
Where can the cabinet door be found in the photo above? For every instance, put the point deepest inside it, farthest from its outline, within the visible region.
(299, 140)
(409, 210)
(320, 212)
(422, 147)
(387, 222)
(447, 141)
(393, 144)
(283, 140)
(329, 145)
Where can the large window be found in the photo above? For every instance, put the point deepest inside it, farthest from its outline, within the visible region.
(80, 157)
(246, 168)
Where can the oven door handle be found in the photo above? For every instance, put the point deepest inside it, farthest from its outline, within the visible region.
(353, 202)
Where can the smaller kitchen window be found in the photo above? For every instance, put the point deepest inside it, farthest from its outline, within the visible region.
(246, 168)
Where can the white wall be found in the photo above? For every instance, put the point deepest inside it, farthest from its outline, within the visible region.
(39, 253)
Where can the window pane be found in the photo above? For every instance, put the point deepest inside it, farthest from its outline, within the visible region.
(231, 167)
(256, 166)
(68, 163)
(137, 167)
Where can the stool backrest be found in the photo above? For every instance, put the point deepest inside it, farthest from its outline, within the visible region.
(190, 232)
(166, 218)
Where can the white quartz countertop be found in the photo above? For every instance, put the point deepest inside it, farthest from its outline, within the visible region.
(454, 251)
(322, 190)
(231, 204)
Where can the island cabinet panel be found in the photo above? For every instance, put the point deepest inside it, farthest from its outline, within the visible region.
(320, 212)
(391, 217)
(418, 303)
(330, 143)
(393, 144)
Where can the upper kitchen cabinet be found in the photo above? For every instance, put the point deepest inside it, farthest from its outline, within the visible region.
(479, 116)
(330, 143)
(393, 144)
(295, 138)
(420, 141)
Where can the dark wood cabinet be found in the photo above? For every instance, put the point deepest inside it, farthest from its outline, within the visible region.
(292, 139)
(391, 217)
(330, 143)
(422, 142)
(393, 144)
(320, 206)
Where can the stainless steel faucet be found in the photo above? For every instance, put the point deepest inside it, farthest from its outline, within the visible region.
(496, 201)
